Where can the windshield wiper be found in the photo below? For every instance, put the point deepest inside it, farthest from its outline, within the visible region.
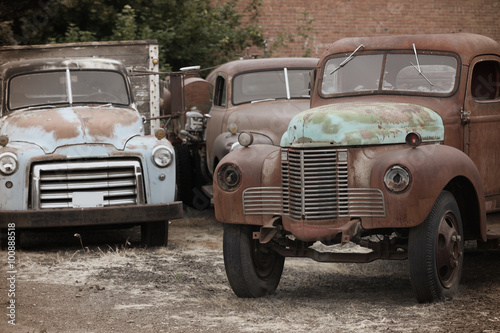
(349, 58)
(417, 68)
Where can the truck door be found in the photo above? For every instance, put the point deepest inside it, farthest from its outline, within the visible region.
(483, 130)
(217, 113)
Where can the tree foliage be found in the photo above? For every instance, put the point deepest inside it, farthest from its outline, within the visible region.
(189, 32)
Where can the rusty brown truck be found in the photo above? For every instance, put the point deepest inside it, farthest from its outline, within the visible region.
(397, 159)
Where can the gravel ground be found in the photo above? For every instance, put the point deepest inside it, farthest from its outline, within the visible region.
(108, 283)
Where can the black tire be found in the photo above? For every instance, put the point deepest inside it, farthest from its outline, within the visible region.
(189, 177)
(154, 234)
(253, 269)
(435, 252)
(200, 200)
(184, 175)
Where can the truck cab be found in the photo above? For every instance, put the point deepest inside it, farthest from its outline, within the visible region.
(258, 96)
(397, 155)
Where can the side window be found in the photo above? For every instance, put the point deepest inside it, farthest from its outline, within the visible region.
(220, 91)
(485, 84)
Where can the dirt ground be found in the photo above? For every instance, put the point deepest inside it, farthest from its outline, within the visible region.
(111, 284)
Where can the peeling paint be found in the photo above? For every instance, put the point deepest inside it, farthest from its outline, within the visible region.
(53, 128)
(362, 124)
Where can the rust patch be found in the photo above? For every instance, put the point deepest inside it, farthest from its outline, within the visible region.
(101, 122)
(51, 121)
(366, 134)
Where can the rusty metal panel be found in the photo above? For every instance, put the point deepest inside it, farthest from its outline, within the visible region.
(70, 126)
(360, 123)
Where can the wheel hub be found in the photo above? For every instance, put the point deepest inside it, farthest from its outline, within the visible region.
(449, 250)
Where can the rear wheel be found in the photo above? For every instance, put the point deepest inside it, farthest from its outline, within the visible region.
(200, 200)
(154, 234)
(184, 173)
(435, 252)
(189, 177)
(252, 268)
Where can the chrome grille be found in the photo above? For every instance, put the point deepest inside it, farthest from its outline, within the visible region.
(57, 185)
(262, 200)
(315, 187)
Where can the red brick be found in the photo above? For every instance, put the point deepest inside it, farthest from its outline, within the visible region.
(335, 19)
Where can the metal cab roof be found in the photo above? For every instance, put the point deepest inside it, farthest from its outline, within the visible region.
(247, 65)
(35, 65)
(466, 45)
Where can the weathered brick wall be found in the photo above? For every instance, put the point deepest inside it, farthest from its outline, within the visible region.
(334, 19)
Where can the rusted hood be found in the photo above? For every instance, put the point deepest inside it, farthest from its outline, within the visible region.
(347, 124)
(267, 117)
(53, 128)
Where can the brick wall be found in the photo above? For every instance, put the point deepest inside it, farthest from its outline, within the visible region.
(334, 19)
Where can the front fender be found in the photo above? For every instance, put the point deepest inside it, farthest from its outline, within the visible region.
(15, 197)
(159, 182)
(433, 168)
(223, 142)
(260, 165)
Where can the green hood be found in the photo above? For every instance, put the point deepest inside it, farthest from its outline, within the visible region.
(353, 124)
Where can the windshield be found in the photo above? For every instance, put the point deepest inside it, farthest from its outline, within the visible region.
(390, 73)
(270, 85)
(67, 87)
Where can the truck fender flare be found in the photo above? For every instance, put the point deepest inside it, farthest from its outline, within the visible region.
(224, 141)
(433, 168)
(260, 165)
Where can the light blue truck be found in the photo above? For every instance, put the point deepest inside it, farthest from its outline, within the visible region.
(74, 150)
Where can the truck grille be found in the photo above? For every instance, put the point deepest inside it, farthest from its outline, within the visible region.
(106, 183)
(315, 187)
(263, 200)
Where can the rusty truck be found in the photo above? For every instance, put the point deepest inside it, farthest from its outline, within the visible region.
(396, 159)
(205, 116)
(74, 150)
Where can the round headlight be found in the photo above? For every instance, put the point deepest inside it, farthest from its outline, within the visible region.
(8, 163)
(162, 156)
(397, 179)
(245, 139)
(229, 177)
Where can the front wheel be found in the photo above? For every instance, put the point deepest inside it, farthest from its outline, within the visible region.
(252, 268)
(154, 234)
(435, 252)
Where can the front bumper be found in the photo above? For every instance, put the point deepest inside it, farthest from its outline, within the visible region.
(74, 217)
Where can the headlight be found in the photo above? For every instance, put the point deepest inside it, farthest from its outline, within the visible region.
(229, 177)
(245, 139)
(162, 156)
(8, 163)
(397, 179)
